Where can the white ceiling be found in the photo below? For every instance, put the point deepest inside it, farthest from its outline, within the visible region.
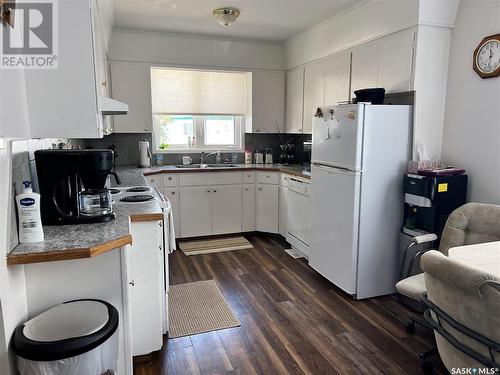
(271, 20)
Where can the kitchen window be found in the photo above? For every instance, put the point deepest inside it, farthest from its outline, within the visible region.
(197, 110)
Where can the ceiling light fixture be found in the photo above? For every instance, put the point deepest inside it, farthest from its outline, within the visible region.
(226, 16)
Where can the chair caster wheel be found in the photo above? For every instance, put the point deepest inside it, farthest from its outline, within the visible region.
(427, 367)
(410, 327)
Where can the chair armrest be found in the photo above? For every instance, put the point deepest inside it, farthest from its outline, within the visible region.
(430, 237)
(417, 240)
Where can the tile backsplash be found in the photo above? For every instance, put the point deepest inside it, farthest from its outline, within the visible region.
(127, 149)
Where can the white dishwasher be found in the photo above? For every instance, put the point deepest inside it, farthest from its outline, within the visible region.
(298, 215)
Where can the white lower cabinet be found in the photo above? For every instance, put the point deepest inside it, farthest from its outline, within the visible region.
(196, 211)
(172, 194)
(226, 209)
(206, 204)
(267, 208)
(248, 208)
(283, 209)
(144, 261)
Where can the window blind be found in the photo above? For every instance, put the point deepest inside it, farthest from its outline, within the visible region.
(177, 91)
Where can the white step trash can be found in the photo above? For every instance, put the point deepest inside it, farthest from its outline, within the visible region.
(75, 338)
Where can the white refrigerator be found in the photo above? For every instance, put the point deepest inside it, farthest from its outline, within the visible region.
(359, 156)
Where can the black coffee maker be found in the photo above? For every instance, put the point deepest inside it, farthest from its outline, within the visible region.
(72, 186)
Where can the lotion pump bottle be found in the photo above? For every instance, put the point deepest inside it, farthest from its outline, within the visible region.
(30, 222)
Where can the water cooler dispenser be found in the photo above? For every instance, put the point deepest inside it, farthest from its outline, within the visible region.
(429, 200)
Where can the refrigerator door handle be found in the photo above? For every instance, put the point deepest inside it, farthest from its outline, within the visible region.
(332, 170)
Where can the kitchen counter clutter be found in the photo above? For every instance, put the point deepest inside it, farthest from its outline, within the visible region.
(65, 242)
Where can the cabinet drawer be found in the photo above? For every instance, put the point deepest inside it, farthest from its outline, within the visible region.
(267, 178)
(284, 179)
(210, 178)
(170, 179)
(154, 180)
(248, 177)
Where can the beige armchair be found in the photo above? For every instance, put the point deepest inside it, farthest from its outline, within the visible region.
(469, 224)
(464, 311)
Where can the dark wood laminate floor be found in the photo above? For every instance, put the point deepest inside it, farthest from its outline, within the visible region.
(293, 321)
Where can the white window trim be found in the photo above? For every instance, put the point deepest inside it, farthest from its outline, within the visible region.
(199, 134)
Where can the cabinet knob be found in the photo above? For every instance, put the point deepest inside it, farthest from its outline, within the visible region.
(104, 83)
(146, 129)
(215, 191)
(131, 283)
(246, 189)
(170, 178)
(260, 189)
(173, 193)
(352, 115)
(208, 191)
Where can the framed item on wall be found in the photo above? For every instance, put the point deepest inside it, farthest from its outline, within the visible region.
(486, 61)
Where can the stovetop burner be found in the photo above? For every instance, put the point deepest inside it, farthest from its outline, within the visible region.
(137, 198)
(114, 191)
(138, 189)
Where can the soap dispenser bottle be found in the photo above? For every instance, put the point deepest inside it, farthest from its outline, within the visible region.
(30, 222)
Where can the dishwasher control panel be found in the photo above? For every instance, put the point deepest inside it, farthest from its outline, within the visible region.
(299, 186)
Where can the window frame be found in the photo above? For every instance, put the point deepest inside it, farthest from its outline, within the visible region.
(199, 131)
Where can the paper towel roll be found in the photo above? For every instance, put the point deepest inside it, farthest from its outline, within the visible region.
(145, 154)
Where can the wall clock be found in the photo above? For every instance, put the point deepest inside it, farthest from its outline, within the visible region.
(487, 57)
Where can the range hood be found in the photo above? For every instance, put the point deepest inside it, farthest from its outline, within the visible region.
(113, 107)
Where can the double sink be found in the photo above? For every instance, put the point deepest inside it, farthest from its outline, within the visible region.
(203, 166)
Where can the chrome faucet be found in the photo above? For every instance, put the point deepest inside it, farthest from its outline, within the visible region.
(218, 159)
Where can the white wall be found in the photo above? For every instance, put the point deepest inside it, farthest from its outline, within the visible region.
(12, 281)
(359, 24)
(471, 137)
(196, 51)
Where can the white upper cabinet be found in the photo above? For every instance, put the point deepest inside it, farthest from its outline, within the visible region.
(314, 92)
(294, 100)
(395, 62)
(64, 102)
(337, 77)
(386, 62)
(364, 67)
(268, 102)
(14, 119)
(131, 85)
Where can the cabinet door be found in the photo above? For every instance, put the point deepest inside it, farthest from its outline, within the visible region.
(172, 194)
(131, 85)
(248, 208)
(63, 102)
(226, 209)
(283, 207)
(145, 267)
(294, 100)
(337, 78)
(364, 67)
(196, 211)
(267, 206)
(268, 101)
(395, 62)
(314, 93)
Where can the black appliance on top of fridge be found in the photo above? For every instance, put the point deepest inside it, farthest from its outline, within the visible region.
(72, 186)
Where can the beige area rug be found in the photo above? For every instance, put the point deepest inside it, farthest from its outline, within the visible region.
(196, 247)
(198, 307)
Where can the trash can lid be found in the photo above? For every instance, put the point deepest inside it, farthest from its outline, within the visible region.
(79, 318)
(66, 330)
